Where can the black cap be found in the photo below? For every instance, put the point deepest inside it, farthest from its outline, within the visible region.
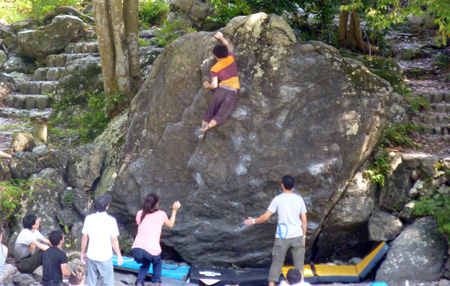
(102, 202)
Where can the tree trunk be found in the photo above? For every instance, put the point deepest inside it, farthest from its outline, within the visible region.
(342, 31)
(353, 36)
(358, 38)
(105, 45)
(131, 16)
(117, 28)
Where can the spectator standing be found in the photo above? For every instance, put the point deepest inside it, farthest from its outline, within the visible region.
(100, 234)
(291, 229)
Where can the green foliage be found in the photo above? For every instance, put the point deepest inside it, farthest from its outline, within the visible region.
(398, 134)
(416, 105)
(170, 32)
(442, 61)
(16, 10)
(143, 43)
(69, 122)
(378, 170)
(439, 11)
(438, 205)
(228, 9)
(10, 195)
(153, 12)
(68, 199)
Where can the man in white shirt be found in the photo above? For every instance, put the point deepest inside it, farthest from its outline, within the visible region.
(291, 229)
(101, 231)
(30, 245)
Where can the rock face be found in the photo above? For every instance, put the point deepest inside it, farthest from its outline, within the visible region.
(417, 248)
(50, 39)
(85, 164)
(277, 127)
(344, 233)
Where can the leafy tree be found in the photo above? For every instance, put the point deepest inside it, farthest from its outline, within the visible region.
(379, 15)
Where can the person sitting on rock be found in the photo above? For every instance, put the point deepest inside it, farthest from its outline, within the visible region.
(54, 261)
(28, 258)
(6, 270)
(294, 278)
(225, 82)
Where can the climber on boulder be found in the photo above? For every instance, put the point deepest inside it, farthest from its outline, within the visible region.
(225, 82)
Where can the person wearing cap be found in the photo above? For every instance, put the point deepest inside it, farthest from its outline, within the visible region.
(291, 229)
(100, 234)
(30, 245)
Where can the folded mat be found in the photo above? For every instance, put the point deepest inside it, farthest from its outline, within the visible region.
(168, 270)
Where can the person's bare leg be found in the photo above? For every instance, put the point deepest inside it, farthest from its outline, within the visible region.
(210, 125)
(271, 283)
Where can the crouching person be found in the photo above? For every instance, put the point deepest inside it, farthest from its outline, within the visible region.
(54, 261)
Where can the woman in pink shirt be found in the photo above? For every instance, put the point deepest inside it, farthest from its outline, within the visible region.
(146, 248)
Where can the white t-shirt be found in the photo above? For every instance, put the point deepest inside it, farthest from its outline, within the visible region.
(284, 283)
(23, 246)
(289, 208)
(100, 227)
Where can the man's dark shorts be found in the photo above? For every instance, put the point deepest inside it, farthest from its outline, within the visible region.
(221, 105)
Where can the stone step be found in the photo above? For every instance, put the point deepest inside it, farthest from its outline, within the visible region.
(437, 118)
(440, 107)
(436, 130)
(82, 48)
(418, 72)
(61, 60)
(38, 87)
(7, 112)
(437, 97)
(433, 138)
(28, 101)
(47, 74)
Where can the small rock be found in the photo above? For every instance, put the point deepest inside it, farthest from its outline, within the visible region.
(40, 150)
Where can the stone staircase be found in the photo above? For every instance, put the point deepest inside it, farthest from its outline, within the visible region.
(37, 94)
(433, 85)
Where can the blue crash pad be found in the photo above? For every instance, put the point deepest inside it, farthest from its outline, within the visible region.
(168, 270)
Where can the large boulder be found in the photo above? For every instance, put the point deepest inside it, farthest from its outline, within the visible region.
(417, 254)
(50, 39)
(346, 223)
(24, 164)
(384, 226)
(47, 185)
(85, 165)
(15, 64)
(57, 159)
(24, 141)
(277, 127)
